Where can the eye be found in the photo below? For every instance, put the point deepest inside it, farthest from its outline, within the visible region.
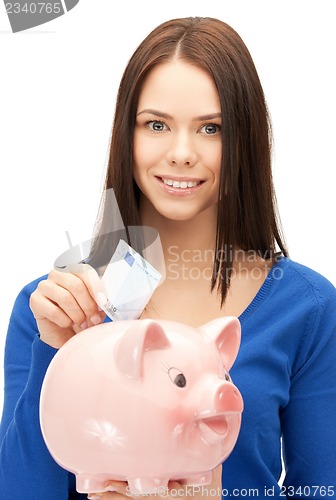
(227, 377)
(177, 377)
(156, 126)
(210, 128)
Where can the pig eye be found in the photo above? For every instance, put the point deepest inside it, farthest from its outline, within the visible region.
(227, 377)
(180, 380)
(177, 377)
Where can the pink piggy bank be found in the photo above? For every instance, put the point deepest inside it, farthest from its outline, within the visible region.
(143, 401)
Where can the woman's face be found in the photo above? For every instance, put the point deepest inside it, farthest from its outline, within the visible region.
(177, 140)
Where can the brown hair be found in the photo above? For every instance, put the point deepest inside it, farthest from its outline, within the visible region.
(247, 214)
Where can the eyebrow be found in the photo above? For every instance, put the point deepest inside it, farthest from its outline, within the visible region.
(161, 114)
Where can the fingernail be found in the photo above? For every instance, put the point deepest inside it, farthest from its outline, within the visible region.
(113, 488)
(101, 299)
(84, 325)
(94, 497)
(95, 319)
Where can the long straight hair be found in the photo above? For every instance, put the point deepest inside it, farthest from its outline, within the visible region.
(247, 210)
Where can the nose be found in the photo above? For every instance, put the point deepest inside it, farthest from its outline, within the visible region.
(228, 399)
(181, 152)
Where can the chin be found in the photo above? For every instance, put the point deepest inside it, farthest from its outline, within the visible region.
(178, 217)
(179, 210)
(182, 214)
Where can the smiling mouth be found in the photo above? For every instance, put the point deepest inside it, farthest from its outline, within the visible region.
(213, 429)
(217, 424)
(182, 184)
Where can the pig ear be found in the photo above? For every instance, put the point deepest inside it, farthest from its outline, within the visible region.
(144, 336)
(226, 333)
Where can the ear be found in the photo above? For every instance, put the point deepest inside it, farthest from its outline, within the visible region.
(144, 336)
(225, 333)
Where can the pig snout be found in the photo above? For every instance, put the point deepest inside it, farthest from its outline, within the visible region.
(228, 399)
(224, 419)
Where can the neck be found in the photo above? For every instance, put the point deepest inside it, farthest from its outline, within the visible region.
(189, 241)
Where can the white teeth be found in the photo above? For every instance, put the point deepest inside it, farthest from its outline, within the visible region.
(182, 184)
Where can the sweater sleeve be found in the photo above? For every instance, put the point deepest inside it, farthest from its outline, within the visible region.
(27, 470)
(308, 421)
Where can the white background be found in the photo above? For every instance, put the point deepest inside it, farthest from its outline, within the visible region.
(57, 92)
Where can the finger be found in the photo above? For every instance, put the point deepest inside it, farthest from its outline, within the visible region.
(176, 487)
(78, 284)
(174, 484)
(102, 496)
(44, 309)
(117, 486)
(58, 302)
(91, 279)
(94, 284)
(52, 335)
(107, 496)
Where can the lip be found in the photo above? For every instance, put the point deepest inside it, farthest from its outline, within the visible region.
(179, 178)
(179, 191)
(213, 429)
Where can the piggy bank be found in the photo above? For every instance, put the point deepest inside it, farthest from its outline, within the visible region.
(143, 401)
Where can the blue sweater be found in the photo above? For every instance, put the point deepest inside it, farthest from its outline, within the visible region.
(285, 370)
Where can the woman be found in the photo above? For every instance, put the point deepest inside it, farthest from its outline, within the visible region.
(190, 156)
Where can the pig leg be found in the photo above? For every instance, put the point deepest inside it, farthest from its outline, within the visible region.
(197, 479)
(86, 483)
(147, 485)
